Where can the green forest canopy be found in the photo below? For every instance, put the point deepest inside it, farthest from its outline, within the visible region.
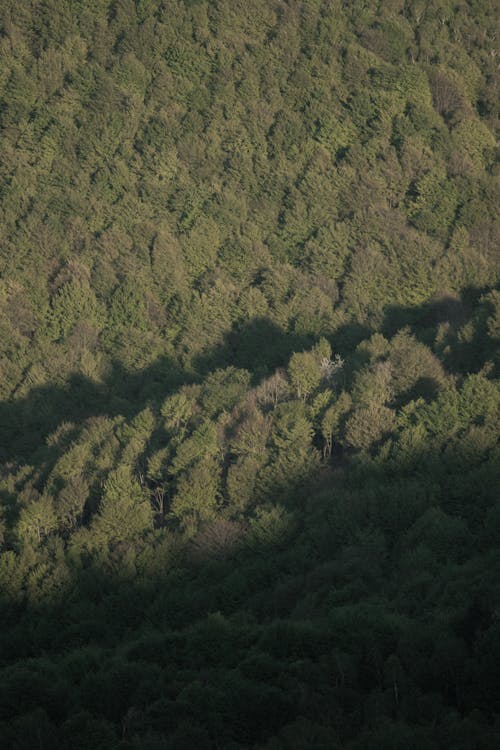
(249, 394)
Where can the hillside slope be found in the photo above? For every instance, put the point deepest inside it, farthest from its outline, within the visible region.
(249, 393)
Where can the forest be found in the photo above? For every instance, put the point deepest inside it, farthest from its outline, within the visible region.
(249, 375)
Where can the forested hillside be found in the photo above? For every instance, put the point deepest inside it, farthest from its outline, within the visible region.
(249, 375)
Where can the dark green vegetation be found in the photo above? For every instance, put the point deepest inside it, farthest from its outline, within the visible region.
(249, 388)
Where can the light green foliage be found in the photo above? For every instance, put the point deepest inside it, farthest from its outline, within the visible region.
(293, 460)
(197, 495)
(74, 303)
(463, 422)
(124, 511)
(201, 444)
(375, 348)
(158, 464)
(327, 250)
(11, 576)
(463, 264)
(272, 525)
(320, 403)
(493, 322)
(70, 503)
(223, 389)
(374, 385)
(304, 373)
(368, 425)
(215, 530)
(434, 203)
(306, 370)
(398, 369)
(251, 434)
(201, 244)
(413, 364)
(477, 402)
(170, 149)
(474, 143)
(177, 409)
(160, 555)
(332, 421)
(241, 482)
(366, 286)
(135, 436)
(128, 307)
(36, 520)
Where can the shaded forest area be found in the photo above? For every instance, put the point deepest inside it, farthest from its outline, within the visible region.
(249, 375)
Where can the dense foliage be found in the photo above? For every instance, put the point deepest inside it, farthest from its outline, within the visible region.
(250, 405)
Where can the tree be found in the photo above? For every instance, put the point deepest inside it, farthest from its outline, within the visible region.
(241, 482)
(177, 409)
(413, 365)
(70, 502)
(201, 444)
(332, 421)
(307, 369)
(293, 460)
(271, 526)
(368, 425)
(197, 494)
(128, 307)
(373, 385)
(273, 389)
(124, 512)
(37, 520)
(251, 434)
(74, 302)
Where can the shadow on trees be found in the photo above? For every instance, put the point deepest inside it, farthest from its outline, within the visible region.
(367, 620)
(425, 318)
(371, 619)
(459, 322)
(26, 423)
(258, 346)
